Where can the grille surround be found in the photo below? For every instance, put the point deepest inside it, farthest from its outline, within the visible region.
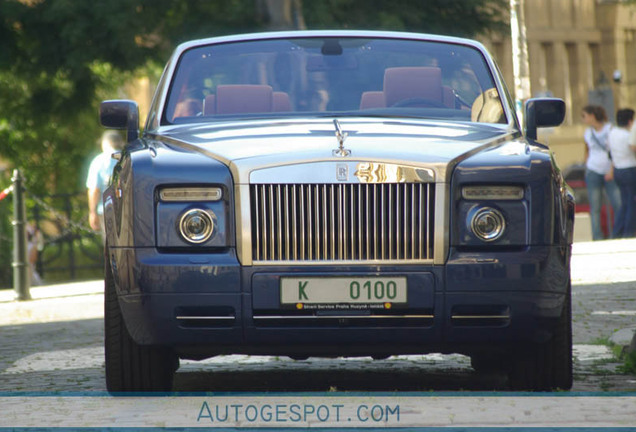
(341, 222)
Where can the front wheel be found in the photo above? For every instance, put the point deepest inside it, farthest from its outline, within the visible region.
(131, 367)
(547, 366)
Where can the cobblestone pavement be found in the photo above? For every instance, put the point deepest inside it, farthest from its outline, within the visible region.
(55, 343)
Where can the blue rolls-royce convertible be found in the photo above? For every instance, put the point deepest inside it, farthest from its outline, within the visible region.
(336, 193)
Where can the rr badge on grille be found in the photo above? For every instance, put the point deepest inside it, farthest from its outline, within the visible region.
(342, 172)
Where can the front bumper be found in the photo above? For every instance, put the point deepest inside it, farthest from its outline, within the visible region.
(208, 304)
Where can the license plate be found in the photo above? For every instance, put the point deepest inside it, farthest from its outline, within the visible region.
(343, 290)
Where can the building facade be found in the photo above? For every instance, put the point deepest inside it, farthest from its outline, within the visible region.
(583, 51)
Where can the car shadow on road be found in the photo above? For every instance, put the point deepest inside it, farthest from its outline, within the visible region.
(381, 377)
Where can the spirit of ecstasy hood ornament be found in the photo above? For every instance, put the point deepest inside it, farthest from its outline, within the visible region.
(341, 136)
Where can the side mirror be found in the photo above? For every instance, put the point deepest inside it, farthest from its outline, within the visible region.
(121, 114)
(543, 112)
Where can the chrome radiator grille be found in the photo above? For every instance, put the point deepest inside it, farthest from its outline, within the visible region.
(342, 222)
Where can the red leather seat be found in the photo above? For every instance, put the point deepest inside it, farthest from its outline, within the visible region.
(372, 99)
(280, 102)
(412, 83)
(243, 99)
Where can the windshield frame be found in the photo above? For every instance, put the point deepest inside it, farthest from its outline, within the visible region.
(159, 108)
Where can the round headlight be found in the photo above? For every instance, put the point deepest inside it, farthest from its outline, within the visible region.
(196, 226)
(488, 224)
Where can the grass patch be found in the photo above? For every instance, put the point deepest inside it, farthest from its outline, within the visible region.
(620, 354)
(601, 341)
(629, 363)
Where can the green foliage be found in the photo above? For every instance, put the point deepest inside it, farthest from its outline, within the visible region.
(48, 84)
(49, 144)
(53, 44)
(448, 17)
(186, 20)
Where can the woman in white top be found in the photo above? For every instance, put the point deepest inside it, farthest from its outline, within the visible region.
(598, 173)
(624, 160)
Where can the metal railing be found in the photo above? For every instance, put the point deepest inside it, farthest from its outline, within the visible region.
(69, 247)
(66, 249)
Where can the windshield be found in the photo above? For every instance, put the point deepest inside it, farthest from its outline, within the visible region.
(331, 76)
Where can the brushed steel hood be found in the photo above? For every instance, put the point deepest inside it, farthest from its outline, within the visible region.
(302, 150)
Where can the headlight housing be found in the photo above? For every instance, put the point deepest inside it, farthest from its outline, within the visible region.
(487, 223)
(192, 217)
(492, 215)
(196, 226)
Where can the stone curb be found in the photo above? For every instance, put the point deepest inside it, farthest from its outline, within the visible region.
(70, 289)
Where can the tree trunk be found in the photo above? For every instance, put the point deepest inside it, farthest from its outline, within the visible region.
(283, 14)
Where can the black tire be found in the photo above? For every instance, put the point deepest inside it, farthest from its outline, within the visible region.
(488, 363)
(547, 367)
(131, 367)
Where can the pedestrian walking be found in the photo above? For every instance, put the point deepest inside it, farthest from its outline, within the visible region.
(98, 178)
(632, 135)
(599, 170)
(624, 161)
(35, 244)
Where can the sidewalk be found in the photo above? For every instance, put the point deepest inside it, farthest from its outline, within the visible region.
(53, 303)
(68, 289)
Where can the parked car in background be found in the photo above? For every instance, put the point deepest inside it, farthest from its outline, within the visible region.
(575, 178)
(336, 193)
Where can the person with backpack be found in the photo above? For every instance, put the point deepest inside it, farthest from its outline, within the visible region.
(599, 170)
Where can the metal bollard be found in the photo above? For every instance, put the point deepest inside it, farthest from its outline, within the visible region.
(20, 264)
